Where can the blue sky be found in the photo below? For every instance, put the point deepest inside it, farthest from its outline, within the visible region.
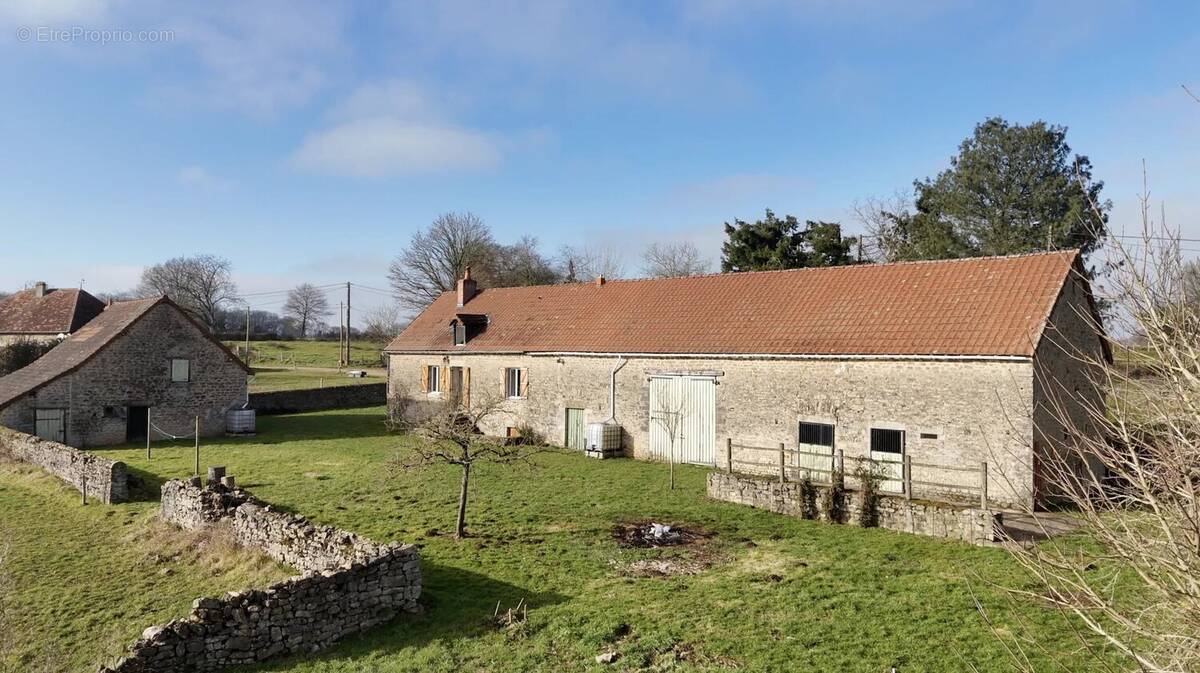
(307, 141)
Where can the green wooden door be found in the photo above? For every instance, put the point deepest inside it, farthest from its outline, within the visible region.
(575, 435)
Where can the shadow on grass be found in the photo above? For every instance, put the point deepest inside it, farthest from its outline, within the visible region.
(317, 426)
(459, 604)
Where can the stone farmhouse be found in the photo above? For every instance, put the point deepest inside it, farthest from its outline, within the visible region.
(950, 362)
(136, 359)
(45, 314)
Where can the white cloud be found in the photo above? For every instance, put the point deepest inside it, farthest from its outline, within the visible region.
(54, 12)
(200, 178)
(388, 146)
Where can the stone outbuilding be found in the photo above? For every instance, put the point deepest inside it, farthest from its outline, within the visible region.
(45, 314)
(137, 362)
(949, 363)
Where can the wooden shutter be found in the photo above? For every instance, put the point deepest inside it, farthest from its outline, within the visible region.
(524, 382)
(424, 378)
(444, 379)
(466, 391)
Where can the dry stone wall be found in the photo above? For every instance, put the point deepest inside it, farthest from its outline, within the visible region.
(921, 517)
(349, 584)
(105, 480)
(316, 399)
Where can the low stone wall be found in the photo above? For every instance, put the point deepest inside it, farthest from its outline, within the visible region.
(921, 517)
(107, 480)
(349, 584)
(317, 399)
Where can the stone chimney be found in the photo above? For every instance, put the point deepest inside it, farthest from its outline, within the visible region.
(466, 288)
(599, 281)
(39, 288)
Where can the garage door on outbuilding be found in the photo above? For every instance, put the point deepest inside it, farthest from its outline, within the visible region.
(683, 415)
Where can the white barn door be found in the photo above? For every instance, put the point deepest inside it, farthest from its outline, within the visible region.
(683, 411)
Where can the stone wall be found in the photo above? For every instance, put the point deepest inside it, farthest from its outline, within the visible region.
(921, 517)
(316, 399)
(134, 370)
(956, 412)
(349, 584)
(106, 480)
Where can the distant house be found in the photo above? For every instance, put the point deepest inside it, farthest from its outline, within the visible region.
(45, 314)
(137, 361)
(952, 363)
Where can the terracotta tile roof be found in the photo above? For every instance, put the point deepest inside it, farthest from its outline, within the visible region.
(84, 344)
(58, 311)
(978, 306)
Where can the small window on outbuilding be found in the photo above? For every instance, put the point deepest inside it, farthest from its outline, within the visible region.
(818, 434)
(181, 370)
(887, 441)
(460, 333)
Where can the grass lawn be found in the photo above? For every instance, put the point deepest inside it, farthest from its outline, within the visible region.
(79, 583)
(783, 594)
(266, 379)
(309, 353)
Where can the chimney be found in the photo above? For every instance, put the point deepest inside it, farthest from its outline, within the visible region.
(599, 281)
(466, 287)
(39, 288)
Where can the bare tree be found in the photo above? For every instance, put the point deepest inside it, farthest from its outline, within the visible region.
(449, 435)
(435, 258)
(667, 260)
(1129, 475)
(307, 305)
(584, 263)
(201, 285)
(668, 415)
(383, 322)
(520, 264)
(884, 219)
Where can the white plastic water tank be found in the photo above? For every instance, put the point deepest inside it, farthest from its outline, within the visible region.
(603, 438)
(239, 421)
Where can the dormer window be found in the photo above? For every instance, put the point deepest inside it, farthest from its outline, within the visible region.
(466, 326)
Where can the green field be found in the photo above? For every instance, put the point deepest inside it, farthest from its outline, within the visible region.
(268, 379)
(309, 353)
(769, 592)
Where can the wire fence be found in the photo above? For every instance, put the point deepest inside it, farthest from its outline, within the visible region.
(899, 475)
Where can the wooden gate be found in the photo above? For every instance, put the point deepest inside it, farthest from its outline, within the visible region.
(683, 417)
(575, 432)
(50, 424)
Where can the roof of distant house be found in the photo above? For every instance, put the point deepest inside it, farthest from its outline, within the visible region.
(83, 345)
(56, 311)
(983, 306)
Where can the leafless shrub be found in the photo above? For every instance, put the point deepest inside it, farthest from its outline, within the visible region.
(672, 259)
(1131, 474)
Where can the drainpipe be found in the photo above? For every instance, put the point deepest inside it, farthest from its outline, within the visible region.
(612, 389)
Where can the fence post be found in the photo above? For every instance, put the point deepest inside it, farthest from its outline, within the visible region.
(147, 433)
(906, 468)
(983, 485)
(729, 455)
(84, 489)
(782, 465)
(197, 472)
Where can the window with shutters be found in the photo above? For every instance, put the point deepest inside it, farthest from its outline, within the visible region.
(181, 370)
(817, 434)
(433, 379)
(512, 382)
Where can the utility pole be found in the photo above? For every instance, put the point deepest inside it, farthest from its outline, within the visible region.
(341, 333)
(247, 333)
(347, 323)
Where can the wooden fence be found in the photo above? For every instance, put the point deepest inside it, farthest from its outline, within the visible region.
(906, 477)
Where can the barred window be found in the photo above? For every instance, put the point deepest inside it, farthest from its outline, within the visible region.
(820, 434)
